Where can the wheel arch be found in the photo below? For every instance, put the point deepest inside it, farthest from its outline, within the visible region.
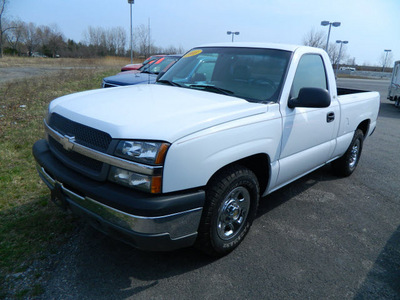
(364, 126)
(259, 164)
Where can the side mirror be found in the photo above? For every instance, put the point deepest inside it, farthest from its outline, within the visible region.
(311, 97)
(160, 75)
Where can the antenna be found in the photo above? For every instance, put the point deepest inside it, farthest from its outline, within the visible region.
(148, 42)
(149, 35)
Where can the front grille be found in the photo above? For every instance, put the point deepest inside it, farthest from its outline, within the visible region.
(85, 136)
(83, 161)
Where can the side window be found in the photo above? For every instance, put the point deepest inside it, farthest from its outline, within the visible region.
(310, 73)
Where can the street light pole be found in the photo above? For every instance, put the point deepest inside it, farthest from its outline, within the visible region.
(326, 23)
(340, 52)
(130, 3)
(384, 64)
(232, 33)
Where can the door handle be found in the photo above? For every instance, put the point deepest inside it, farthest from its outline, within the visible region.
(330, 117)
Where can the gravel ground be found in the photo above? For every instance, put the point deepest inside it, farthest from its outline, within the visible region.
(10, 74)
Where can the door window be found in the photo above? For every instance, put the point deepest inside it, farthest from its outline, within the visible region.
(310, 73)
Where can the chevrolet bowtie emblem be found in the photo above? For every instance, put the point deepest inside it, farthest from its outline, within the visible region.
(68, 142)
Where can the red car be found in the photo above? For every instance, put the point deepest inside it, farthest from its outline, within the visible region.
(132, 67)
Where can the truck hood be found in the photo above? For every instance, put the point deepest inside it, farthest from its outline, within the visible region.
(152, 112)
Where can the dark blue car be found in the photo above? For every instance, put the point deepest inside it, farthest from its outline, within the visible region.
(146, 74)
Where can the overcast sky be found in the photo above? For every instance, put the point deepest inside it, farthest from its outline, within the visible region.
(370, 26)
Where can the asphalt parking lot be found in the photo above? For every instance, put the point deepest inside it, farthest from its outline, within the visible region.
(321, 237)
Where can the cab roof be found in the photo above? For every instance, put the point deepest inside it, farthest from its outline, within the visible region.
(285, 47)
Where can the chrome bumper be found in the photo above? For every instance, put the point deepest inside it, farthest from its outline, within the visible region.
(182, 225)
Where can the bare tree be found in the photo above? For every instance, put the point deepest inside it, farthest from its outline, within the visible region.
(3, 25)
(14, 38)
(97, 40)
(43, 34)
(31, 37)
(173, 50)
(120, 40)
(386, 61)
(333, 53)
(93, 39)
(106, 42)
(315, 39)
(2, 10)
(318, 39)
(110, 42)
(144, 43)
(55, 41)
(351, 61)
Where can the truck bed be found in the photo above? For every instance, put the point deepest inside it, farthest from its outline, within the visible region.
(346, 91)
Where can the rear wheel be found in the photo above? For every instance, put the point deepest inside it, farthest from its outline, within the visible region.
(231, 206)
(346, 165)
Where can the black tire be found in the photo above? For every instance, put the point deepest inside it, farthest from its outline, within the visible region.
(231, 205)
(345, 165)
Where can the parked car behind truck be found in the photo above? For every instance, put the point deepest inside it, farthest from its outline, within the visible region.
(133, 67)
(147, 74)
(185, 161)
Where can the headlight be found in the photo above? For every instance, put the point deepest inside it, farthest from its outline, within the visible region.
(130, 179)
(152, 153)
(149, 153)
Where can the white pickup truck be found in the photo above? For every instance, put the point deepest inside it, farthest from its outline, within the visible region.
(185, 161)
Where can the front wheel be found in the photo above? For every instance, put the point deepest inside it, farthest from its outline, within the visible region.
(345, 165)
(231, 206)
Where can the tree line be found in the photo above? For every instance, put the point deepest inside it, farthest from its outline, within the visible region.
(28, 39)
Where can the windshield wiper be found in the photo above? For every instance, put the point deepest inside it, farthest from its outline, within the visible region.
(170, 82)
(212, 88)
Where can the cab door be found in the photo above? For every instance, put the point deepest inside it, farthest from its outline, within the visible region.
(308, 137)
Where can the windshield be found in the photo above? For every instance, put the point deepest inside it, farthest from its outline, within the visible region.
(160, 64)
(151, 59)
(254, 74)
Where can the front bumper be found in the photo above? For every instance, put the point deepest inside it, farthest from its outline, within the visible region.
(145, 221)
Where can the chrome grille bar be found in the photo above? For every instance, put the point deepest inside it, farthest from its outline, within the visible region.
(69, 144)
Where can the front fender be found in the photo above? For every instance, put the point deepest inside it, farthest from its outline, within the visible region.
(193, 160)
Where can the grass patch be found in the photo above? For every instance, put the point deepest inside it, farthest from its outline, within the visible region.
(22, 294)
(37, 290)
(15, 61)
(30, 225)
